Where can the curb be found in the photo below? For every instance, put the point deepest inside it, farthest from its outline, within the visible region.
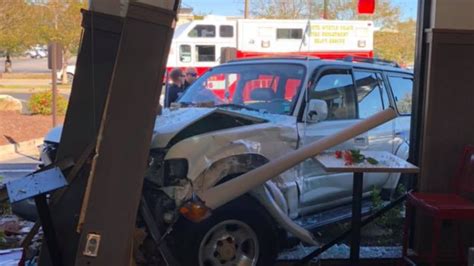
(20, 147)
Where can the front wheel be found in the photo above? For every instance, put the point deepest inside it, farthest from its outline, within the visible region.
(236, 237)
(229, 242)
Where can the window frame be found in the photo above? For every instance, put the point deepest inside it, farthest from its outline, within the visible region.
(220, 31)
(196, 48)
(386, 76)
(376, 73)
(290, 31)
(314, 78)
(197, 25)
(190, 53)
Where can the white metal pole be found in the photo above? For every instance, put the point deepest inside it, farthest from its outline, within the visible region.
(221, 194)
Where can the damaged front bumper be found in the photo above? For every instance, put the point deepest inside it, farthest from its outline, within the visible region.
(166, 185)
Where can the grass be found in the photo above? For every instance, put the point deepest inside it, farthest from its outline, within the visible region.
(20, 86)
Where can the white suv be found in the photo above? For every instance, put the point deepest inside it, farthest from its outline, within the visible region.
(257, 110)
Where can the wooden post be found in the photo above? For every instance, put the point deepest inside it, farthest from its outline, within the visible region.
(114, 188)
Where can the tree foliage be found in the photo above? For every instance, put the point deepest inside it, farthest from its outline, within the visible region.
(386, 15)
(60, 21)
(397, 44)
(16, 26)
(23, 24)
(278, 9)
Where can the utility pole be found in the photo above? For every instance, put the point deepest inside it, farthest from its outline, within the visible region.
(54, 77)
(246, 9)
(325, 14)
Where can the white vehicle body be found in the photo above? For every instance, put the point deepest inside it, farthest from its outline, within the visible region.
(199, 43)
(70, 71)
(37, 52)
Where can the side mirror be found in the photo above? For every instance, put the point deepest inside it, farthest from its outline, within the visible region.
(316, 111)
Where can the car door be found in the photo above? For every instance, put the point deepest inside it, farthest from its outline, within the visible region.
(372, 97)
(402, 89)
(349, 97)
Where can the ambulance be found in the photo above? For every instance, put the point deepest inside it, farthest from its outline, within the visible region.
(209, 42)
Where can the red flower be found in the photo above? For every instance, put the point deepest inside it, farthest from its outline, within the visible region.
(347, 157)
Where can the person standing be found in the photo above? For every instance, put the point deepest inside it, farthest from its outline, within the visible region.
(176, 89)
(190, 76)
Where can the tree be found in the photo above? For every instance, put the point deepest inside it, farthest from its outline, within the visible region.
(279, 9)
(60, 21)
(397, 44)
(386, 14)
(16, 28)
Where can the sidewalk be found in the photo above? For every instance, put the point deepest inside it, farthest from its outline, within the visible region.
(24, 149)
(26, 82)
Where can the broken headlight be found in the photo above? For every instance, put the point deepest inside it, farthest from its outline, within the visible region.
(175, 171)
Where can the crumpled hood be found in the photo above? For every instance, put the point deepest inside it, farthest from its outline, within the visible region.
(169, 126)
(166, 125)
(169, 123)
(176, 125)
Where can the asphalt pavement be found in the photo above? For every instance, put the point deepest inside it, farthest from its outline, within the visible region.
(31, 65)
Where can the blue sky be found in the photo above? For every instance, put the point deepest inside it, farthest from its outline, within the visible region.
(235, 7)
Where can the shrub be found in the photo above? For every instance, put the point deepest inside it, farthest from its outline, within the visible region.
(41, 103)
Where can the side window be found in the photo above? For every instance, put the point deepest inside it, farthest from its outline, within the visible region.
(402, 88)
(185, 53)
(337, 89)
(205, 53)
(369, 94)
(203, 31)
(289, 33)
(226, 31)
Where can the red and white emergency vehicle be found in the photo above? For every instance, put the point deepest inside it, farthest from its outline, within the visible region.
(200, 43)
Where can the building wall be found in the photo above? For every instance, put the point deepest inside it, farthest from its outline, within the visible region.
(448, 112)
(452, 14)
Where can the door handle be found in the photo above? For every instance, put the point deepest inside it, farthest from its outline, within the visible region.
(360, 140)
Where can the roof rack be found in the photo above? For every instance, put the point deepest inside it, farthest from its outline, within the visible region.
(298, 57)
(369, 60)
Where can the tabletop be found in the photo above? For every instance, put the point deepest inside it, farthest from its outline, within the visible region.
(387, 163)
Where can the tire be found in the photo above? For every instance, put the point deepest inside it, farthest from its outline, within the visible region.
(240, 228)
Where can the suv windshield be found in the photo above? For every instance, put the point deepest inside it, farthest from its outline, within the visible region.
(268, 87)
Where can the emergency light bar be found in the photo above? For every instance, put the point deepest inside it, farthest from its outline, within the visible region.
(366, 7)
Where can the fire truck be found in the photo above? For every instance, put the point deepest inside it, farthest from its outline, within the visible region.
(206, 43)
